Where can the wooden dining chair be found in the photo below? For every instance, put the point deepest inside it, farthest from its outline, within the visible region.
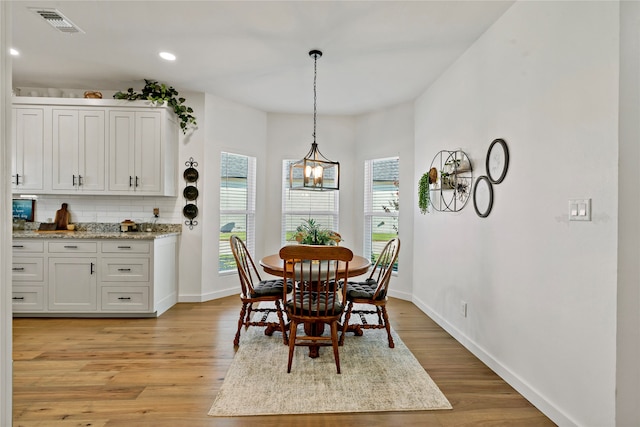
(316, 299)
(255, 290)
(372, 292)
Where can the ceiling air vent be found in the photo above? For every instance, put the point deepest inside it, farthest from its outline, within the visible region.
(57, 20)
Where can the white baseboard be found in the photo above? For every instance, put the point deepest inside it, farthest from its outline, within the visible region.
(208, 296)
(521, 386)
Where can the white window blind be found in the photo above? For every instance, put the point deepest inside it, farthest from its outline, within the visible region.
(237, 205)
(381, 204)
(298, 205)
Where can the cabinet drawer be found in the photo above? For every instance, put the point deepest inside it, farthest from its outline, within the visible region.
(135, 247)
(73, 247)
(120, 298)
(28, 298)
(124, 270)
(28, 269)
(28, 246)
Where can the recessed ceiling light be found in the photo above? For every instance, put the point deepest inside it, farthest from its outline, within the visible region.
(14, 52)
(168, 56)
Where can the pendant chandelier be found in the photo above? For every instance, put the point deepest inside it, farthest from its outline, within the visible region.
(314, 171)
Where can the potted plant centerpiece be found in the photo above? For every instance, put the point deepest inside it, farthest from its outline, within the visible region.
(312, 233)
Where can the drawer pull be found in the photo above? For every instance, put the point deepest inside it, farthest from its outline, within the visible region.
(91, 268)
(18, 298)
(124, 247)
(124, 269)
(18, 269)
(18, 246)
(70, 247)
(124, 298)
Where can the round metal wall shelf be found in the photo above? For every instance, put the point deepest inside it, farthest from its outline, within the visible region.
(451, 191)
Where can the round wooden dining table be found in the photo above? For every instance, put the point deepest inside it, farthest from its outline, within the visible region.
(272, 264)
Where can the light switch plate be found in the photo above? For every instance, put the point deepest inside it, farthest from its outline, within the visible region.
(579, 209)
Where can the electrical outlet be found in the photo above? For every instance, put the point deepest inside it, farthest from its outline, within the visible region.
(463, 308)
(156, 212)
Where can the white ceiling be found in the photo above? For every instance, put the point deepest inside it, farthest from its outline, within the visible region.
(376, 53)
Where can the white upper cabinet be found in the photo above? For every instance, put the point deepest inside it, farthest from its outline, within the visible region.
(94, 146)
(78, 150)
(28, 149)
(135, 156)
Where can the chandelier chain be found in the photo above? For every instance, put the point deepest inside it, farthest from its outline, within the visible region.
(315, 97)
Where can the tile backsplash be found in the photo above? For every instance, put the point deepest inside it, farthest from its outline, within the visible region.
(110, 209)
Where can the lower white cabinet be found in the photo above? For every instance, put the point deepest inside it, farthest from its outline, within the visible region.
(79, 277)
(73, 284)
(28, 273)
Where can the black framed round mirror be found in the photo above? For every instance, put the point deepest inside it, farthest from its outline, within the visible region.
(497, 161)
(483, 196)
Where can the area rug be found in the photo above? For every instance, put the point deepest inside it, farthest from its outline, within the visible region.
(374, 378)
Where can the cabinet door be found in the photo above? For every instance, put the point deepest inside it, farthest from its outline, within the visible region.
(65, 150)
(73, 284)
(91, 157)
(121, 150)
(148, 152)
(27, 168)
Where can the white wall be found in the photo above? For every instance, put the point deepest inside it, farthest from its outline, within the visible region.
(628, 375)
(238, 129)
(6, 351)
(541, 291)
(191, 146)
(388, 133)
(289, 136)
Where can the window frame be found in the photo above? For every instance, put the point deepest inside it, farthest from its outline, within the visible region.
(249, 211)
(370, 213)
(305, 214)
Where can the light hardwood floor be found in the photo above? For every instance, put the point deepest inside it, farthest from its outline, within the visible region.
(166, 372)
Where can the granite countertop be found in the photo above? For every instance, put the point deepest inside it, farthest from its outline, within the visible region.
(136, 235)
(100, 230)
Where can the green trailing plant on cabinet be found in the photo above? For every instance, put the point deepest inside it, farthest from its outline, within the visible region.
(158, 93)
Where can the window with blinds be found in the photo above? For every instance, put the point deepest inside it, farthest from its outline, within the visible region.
(300, 205)
(381, 204)
(237, 205)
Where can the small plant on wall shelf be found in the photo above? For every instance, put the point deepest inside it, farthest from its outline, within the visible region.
(158, 93)
(424, 199)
